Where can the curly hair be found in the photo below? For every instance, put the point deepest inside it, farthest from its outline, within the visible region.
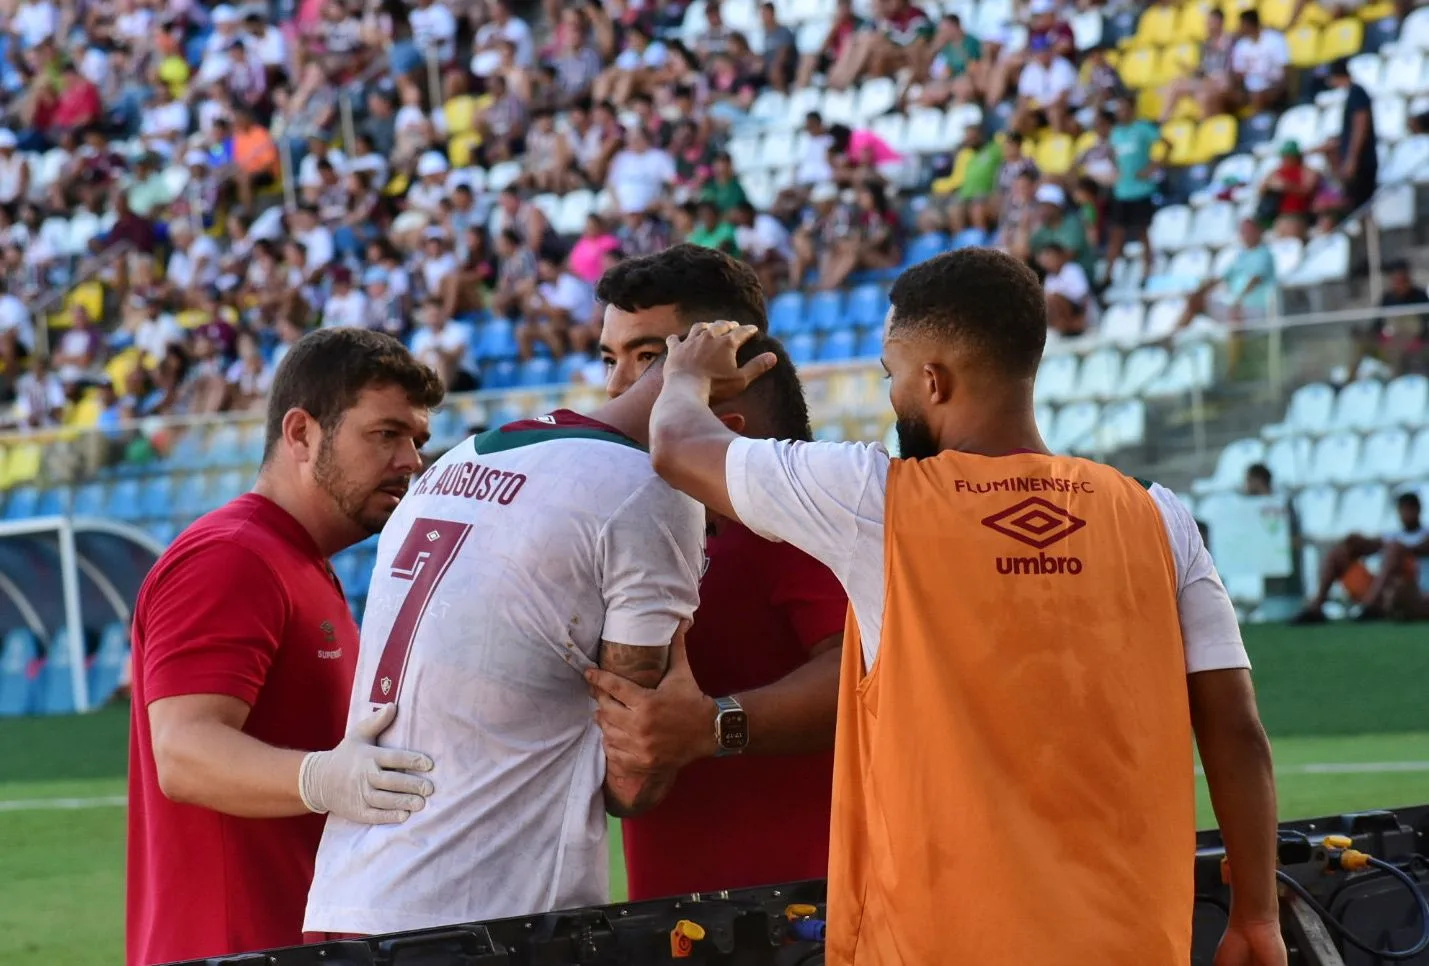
(702, 284)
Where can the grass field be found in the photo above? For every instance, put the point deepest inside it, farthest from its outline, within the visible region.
(62, 787)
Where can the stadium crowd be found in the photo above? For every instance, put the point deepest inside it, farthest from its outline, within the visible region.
(225, 177)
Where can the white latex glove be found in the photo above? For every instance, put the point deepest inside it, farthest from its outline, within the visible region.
(363, 783)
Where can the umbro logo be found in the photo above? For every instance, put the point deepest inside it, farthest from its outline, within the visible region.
(1039, 524)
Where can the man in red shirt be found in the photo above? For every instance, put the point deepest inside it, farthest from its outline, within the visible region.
(77, 102)
(748, 718)
(244, 653)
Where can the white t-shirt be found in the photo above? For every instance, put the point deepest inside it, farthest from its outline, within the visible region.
(319, 246)
(1044, 85)
(484, 63)
(434, 29)
(165, 121)
(570, 294)
(1409, 538)
(184, 269)
(308, 176)
(449, 339)
(765, 236)
(349, 309)
(12, 173)
(1072, 284)
(638, 179)
(153, 336)
(35, 22)
(1260, 62)
(512, 565)
(828, 500)
(14, 315)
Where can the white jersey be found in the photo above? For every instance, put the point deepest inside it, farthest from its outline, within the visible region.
(495, 582)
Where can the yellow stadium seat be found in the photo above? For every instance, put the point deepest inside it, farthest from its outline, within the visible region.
(1181, 135)
(397, 185)
(1304, 44)
(1343, 38)
(461, 147)
(1138, 67)
(1157, 26)
(1191, 24)
(1149, 104)
(1187, 109)
(191, 318)
(118, 368)
(1276, 14)
(1113, 57)
(1054, 154)
(1085, 142)
(89, 296)
(1372, 12)
(1179, 61)
(86, 412)
(1313, 13)
(23, 463)
(1215, 137)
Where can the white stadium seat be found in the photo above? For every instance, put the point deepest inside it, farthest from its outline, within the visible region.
(1288, 460)
(1231, 466)
(1215, 225)
(1163, 318)
(1357, 405)
(1383, 456)
(1171, 228)
(1309, 411)
(1299, 123)
(1073, 427)
(1408, 161)
(1406, 402)
(1416, 467)
(1123, 424)
(1404, 74)
(1391, 118)
(1099, 375)
(1415, 31)
(1121, 323)
(1327, 259)
(1335, 458)
(1056, 379)
(1367, 70)
(1394, 206)
(1141, 368)
(1316, 508)
(1362, 509)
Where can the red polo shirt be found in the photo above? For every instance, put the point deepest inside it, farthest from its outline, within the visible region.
(755, 820)
(242, 604)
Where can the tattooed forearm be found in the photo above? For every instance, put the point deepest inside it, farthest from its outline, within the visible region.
(643, 665)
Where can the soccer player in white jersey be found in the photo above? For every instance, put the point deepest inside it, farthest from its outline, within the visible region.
(520, 559)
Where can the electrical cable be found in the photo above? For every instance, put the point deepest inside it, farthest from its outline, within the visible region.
(1338, 928)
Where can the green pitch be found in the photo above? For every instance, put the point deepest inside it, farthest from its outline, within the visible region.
(62, 786)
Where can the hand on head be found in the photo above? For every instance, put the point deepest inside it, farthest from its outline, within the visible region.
(710, 353)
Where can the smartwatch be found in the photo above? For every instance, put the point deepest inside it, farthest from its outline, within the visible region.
(731, 727)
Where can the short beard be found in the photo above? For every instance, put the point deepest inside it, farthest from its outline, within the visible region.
(344, 495)
(915, 439)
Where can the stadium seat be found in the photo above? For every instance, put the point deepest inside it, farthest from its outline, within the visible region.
(537, 371)
(1362, 510)
(1308, 413)
(1343, 38)
(870, 344)
(1316, 507)
(925, 247)
(786, 314)
(1181, 135)
(1215, 137)
(1054, 154)
(1190, 368)
(1138, 65)
(1231, 465)
(1123, 424)
(1334, 459)
(22, 503)
(1288, 460)
(500, 375)
(1073, 427)
(1215, 225)
(1304, 44)
(1416, 467)
(155, 493)
(52, 502)
(825, 311)
(1121, 323)
(190, 497)
(123, 501)
(867, 306)
(1142, 367)
(1357, 405)
(496, 340)
(108, 664)
(228, 486)
(1099, 375)
(802, 348)
(88, 500)
(18, 650)
(224, 446)
(1406, 402)
(837, 346)
(1056, 379)
(1383, 456)
(54, 689)
(1170, 229)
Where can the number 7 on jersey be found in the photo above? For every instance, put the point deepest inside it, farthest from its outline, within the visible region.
(422, 561)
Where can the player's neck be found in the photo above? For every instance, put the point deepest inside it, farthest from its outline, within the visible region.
(313, 510)
(1001, 434)
(630, 411)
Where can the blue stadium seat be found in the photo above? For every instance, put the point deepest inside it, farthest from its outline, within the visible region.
(363, 576)
(17, 651)
(123, 502)
(570, 364)
(501, 375)
(867, 305)
(447, 424)
(108, 664)
(188, 451)
(228, 486)
(53, 501)
(154, 494)
(925, 247)
(88, 500)
(837, 346)
(496, 340)
(786, 314)
(826, 311)
(190, 495)
(346, 565)
(250, 447)
(163, 531)
(870, 344)
(54, 689)
(22, 503)
(801, 348)
(224, 447)
(536, 372)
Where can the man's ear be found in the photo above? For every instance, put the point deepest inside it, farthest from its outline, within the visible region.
(301, 435)
(734, 422)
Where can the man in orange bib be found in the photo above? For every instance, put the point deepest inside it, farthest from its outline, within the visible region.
(1031, 643)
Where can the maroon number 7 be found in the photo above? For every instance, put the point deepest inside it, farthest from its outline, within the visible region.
(422, 561)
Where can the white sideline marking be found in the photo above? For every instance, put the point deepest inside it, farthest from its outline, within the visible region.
(1320, 768)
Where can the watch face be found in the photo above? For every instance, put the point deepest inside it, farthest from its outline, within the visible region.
(733, 729)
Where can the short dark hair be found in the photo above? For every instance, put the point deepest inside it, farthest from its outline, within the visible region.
(325, 371)
(980, 298)
(702, 284)
(1410, 499)
(778, 393)
(1250, 18)
(1259, 471)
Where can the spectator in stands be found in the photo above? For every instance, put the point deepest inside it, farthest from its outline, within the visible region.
(1210, 82)
(1354, 153)
(639, 173)
(1397, 344)
(1015, 221)
(587, 255)
(1132, 206)
(780, 54)
(39, 395)
(14, 174)
(712, 231)
(1056, 225)
(722, 189)
(1044, 89)
(955, 73)
(1395, 585)
(900, 39)
(79, 349)
(1258, 62)
(346, 303)
(1257, 480)
(556, 311)
(1071, 306)
(843, 34)
(225, 683)
(1289, 192)
(763, 242)
(1246, 293)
